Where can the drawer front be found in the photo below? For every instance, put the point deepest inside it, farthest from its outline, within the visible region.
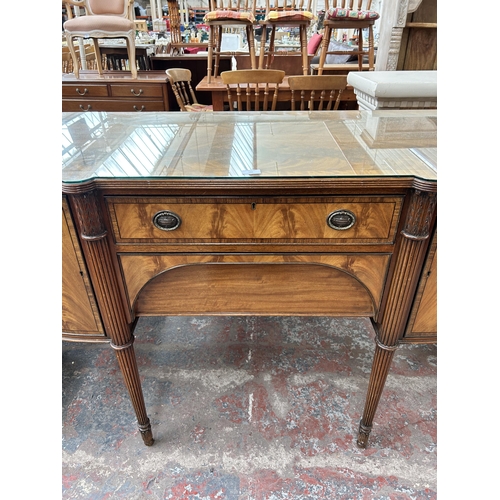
(85, 90)
(138, 90)
(116, 105)
(374, 220)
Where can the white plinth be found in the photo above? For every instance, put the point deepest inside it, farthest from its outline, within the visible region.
(394, 89)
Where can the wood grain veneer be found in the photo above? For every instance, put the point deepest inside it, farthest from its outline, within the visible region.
(80, 316)
(235, 219)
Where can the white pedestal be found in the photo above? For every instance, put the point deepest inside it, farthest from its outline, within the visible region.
(394, 89)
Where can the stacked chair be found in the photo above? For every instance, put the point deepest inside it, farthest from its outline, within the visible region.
(345, 15)
(285, 14)
(225, 14)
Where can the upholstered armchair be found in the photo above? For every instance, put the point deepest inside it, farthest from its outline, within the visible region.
(102, 19)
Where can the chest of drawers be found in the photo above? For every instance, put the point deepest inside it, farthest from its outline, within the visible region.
(183, 235)
(115, 91)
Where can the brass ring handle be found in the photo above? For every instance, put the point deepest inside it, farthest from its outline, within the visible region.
(89, 107)
(85, 91)
(341, 220)
(137, 109)
(166, 220)
(137, 95)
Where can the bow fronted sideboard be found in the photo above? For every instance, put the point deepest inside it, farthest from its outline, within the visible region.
(277, 213)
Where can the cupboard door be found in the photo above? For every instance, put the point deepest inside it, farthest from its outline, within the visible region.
(80, 316)
(422, 327)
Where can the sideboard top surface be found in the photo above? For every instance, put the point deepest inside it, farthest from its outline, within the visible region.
(225, 145)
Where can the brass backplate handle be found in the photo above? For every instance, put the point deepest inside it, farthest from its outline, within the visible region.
(341, 220)
(166, 220)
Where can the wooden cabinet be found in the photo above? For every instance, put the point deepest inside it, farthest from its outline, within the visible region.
(342, 229)
(115, 91)
(80, 315)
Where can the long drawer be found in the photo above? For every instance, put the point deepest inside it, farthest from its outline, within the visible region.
(339, 219)
(112, 105)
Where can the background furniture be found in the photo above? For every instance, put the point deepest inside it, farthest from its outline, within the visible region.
(408, 35)
(283, 13)
(348, 15)
(224, 14)
(218, 93)
(213, 212)
(103, 19)
(377, 90)
(180, 80)
(115, 91)
(252, 89)
(115, 57)
(321, 92)
(178, 44)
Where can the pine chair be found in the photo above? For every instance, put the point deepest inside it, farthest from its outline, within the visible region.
(345, 16)
(289, 14)
(180, 80)
(102, 19)
(251, 89)
(223, 14)
(317, 92)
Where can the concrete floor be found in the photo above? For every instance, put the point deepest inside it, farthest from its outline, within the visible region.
(249, 408)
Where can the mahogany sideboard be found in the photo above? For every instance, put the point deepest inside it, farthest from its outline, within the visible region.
(277, 213)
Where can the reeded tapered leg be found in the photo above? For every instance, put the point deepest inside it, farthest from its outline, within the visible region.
(410, 254)
(93, 237)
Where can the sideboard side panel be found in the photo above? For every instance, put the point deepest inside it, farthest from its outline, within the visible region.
(80, 316)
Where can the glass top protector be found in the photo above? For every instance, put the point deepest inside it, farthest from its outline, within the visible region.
(246, 145)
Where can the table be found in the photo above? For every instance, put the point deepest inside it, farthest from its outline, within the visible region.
(275, 213)
(218, 92)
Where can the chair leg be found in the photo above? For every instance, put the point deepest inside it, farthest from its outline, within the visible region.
(262, 51)
(131, 54)
(270, 50)
(303, 44)
(324, 48)
(218, 44)
(360, 48)
(251, 46)
(71, 47)
(211, 37)
(98, 56)
(371, 51)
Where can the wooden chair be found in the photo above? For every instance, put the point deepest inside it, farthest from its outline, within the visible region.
(177, 44)
(251, 89)
(102, 19)
(223, 14)
(317, 92)
(290, 14)
(345, 16)
(180, 80)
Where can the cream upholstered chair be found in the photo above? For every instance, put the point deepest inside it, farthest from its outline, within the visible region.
(345, 15)
(180, 79)
(289, 14)
(252, 89)
(102, 19)
(228, 14)
(320, 92)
